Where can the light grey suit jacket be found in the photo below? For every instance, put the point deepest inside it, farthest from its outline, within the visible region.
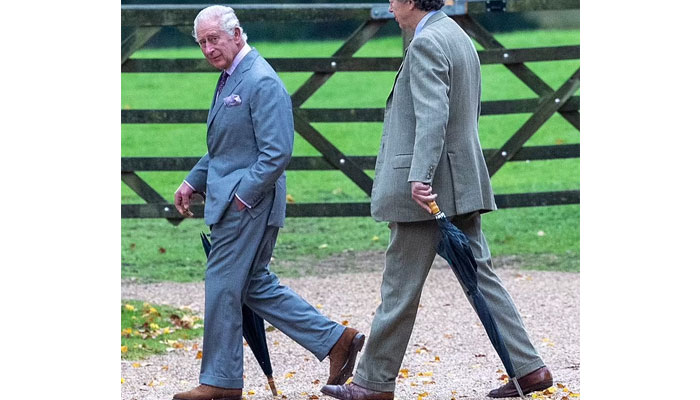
(430, 130)
(250, 133)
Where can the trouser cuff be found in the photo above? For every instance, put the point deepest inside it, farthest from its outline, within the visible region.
(529, 367)
(325, 349)
(218, 381)
(371, 385)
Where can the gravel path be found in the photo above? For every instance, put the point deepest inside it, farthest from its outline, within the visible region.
(449, 355)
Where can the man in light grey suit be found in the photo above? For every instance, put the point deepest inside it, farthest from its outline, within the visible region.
(250, 132)
(429, 151)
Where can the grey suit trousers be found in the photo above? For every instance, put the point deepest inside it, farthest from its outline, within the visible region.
(237, 273)
(409, 257)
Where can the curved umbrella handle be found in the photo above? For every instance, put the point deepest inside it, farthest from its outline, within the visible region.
(435, 210)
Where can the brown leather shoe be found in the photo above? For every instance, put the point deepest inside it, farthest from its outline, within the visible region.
(539, 379)
(343, 355)
(206, 392)
(355, 392)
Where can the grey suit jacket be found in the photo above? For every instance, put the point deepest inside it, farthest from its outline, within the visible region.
(250, 133)
(430, 129)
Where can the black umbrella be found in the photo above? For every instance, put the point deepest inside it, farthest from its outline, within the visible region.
(253, 332)
(454, 247)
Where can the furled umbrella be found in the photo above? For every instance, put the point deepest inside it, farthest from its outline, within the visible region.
(253, 332)
(454, 247)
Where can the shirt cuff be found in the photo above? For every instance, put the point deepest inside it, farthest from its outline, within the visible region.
(188, 184)
(241, 200)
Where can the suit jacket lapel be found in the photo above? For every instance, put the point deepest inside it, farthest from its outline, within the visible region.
(231, 84)
(433, 18)
(397, 73)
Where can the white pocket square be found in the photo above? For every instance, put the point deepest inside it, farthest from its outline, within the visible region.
(232, 100)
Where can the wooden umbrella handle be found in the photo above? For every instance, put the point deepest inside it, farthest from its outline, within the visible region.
(434, 209)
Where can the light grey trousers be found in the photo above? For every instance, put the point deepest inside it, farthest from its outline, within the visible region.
(410, 254)
(237, 273)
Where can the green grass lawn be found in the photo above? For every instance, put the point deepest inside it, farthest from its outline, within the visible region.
(152, 329)
(544, 237)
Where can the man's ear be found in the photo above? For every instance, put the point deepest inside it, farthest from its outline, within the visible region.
(237, 34)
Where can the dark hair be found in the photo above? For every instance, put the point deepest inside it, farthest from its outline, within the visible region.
(429, 5)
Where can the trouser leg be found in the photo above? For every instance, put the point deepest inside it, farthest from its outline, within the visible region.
(284, 308)
(234, 242)
(410, 254)
(522, 353)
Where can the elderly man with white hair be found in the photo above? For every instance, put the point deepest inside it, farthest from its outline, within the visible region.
(250, 131)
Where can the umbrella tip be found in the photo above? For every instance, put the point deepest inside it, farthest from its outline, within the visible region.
(517, 387)
(271, 382)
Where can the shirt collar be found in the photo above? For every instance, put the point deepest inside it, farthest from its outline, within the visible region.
(237, 60)
(422, 22)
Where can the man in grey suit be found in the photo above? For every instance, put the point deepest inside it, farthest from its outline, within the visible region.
(250, 132)
(429, 151)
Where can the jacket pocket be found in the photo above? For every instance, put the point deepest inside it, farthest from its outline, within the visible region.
(402, 161)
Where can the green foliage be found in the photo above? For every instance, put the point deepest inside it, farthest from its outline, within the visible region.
(152, 329)
(510, 231)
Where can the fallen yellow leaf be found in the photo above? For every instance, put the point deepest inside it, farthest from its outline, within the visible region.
(251, 392)
(290, 199)
(199, 355)
(125, 349)
(289, 375)
(136, 365)
(128, 307)
(122, 380)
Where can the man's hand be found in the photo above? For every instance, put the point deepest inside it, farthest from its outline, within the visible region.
(183, 195)
(422, 193)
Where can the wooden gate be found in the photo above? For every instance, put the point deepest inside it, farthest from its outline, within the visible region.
(140, 23)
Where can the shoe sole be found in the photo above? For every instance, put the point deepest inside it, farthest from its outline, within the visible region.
(346, 372)
(541, 386)
(218, 398)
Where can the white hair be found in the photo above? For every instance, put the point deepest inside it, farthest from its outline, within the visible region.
(226, 17)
